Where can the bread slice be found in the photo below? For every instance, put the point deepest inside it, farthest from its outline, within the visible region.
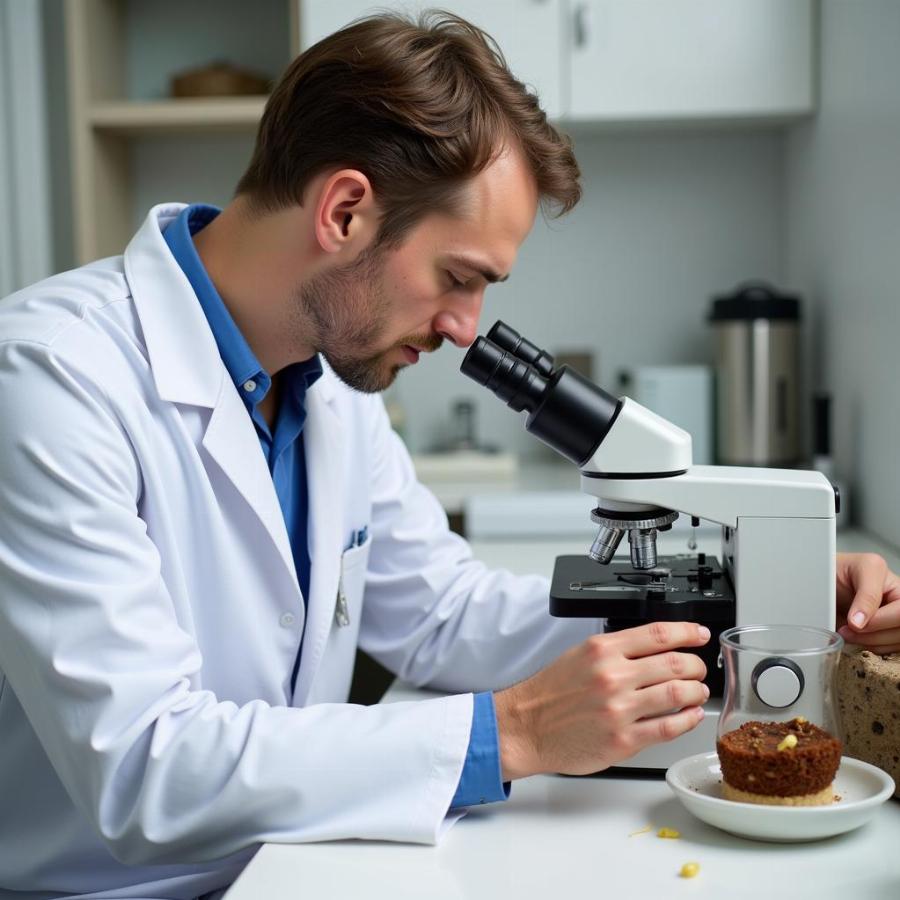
(868, 694)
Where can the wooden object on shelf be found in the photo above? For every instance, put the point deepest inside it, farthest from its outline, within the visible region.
(218, 79)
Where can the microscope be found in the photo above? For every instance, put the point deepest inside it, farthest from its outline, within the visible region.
(778, 525)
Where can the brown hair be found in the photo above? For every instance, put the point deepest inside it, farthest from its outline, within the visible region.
(418, 106)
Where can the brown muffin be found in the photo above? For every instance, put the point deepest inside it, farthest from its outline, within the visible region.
(800, 773)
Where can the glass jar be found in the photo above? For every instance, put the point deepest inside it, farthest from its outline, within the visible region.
(774, 673)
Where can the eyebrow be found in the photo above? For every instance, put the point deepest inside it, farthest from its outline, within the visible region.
(489, 275)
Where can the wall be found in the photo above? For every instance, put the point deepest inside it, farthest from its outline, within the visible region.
(26, 252)
(58, 135)
(843, 247)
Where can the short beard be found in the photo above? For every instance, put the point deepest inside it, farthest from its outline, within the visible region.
(348, 312)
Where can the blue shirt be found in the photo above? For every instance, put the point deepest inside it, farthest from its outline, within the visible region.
(282, 447)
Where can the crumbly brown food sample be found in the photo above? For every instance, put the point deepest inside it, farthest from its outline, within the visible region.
(751, 761)
(868, 693)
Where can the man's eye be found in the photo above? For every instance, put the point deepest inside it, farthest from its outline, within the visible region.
(454, 280)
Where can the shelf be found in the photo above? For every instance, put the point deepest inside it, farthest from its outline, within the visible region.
(184, 115)
(121, 56)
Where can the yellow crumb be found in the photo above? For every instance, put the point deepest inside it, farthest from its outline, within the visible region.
(789, 742)
(689, 870)
(668, 833)
(641, 830)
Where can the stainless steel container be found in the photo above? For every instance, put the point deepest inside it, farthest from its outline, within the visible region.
(757, 335)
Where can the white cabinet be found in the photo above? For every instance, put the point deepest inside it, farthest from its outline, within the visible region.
(529, 32)
(620, 61)
(690, 59)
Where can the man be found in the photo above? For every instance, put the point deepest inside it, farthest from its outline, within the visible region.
(199, 486)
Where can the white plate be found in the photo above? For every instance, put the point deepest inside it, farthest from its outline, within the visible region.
(862, 788)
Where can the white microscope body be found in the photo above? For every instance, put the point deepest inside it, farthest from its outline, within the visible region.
(778, 525)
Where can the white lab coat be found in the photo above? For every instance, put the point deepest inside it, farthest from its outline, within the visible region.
(150, 612)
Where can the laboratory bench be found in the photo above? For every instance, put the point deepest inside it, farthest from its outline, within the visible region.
(587, 837)
(584, 838)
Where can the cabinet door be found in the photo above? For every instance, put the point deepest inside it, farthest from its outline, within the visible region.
(673, 59)
(529, 32)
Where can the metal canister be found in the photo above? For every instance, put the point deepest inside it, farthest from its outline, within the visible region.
(757, 334)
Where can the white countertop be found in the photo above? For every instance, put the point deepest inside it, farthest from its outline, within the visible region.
(574, 837)
(570, 836)
(565, 837)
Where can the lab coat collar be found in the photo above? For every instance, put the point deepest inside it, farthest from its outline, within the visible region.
(184, 357)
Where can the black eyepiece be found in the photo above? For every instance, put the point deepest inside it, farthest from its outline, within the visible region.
(565, 410)
(509, 339)
(481, 361)
(516, 383)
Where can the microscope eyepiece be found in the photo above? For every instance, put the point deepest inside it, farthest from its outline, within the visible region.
(566, 411)
(516, 383)
(509, 339)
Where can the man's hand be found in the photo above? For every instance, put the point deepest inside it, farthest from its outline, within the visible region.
(603, 701)
(868, 611)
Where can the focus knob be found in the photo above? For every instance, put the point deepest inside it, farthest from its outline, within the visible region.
(777, 681)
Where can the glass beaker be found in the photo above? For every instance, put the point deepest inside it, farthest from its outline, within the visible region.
(774, 673)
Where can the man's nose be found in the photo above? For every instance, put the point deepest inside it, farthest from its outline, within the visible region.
(459, 324)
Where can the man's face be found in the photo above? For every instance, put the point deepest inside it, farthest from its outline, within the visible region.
(375, 316)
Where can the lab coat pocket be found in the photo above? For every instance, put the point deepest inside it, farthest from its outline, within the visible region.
(351, 586)
(335, 673)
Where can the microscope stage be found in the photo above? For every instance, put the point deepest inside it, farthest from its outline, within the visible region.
(688, 587)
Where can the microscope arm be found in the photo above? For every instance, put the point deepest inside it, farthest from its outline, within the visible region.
(724, 494)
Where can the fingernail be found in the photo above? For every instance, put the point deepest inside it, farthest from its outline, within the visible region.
(706, 691)
(858, 619)
(701, 712)
(704, 632)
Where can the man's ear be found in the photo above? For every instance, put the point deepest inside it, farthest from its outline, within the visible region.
(346, 214)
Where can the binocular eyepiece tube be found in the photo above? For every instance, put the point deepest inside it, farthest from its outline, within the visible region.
(565, 410)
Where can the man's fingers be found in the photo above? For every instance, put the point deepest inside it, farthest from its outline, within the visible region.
(670, 697)
(869, 571)
(666, 666)
(664, 728)
(657, 637)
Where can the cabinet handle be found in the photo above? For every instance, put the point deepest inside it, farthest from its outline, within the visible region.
(581, 24)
